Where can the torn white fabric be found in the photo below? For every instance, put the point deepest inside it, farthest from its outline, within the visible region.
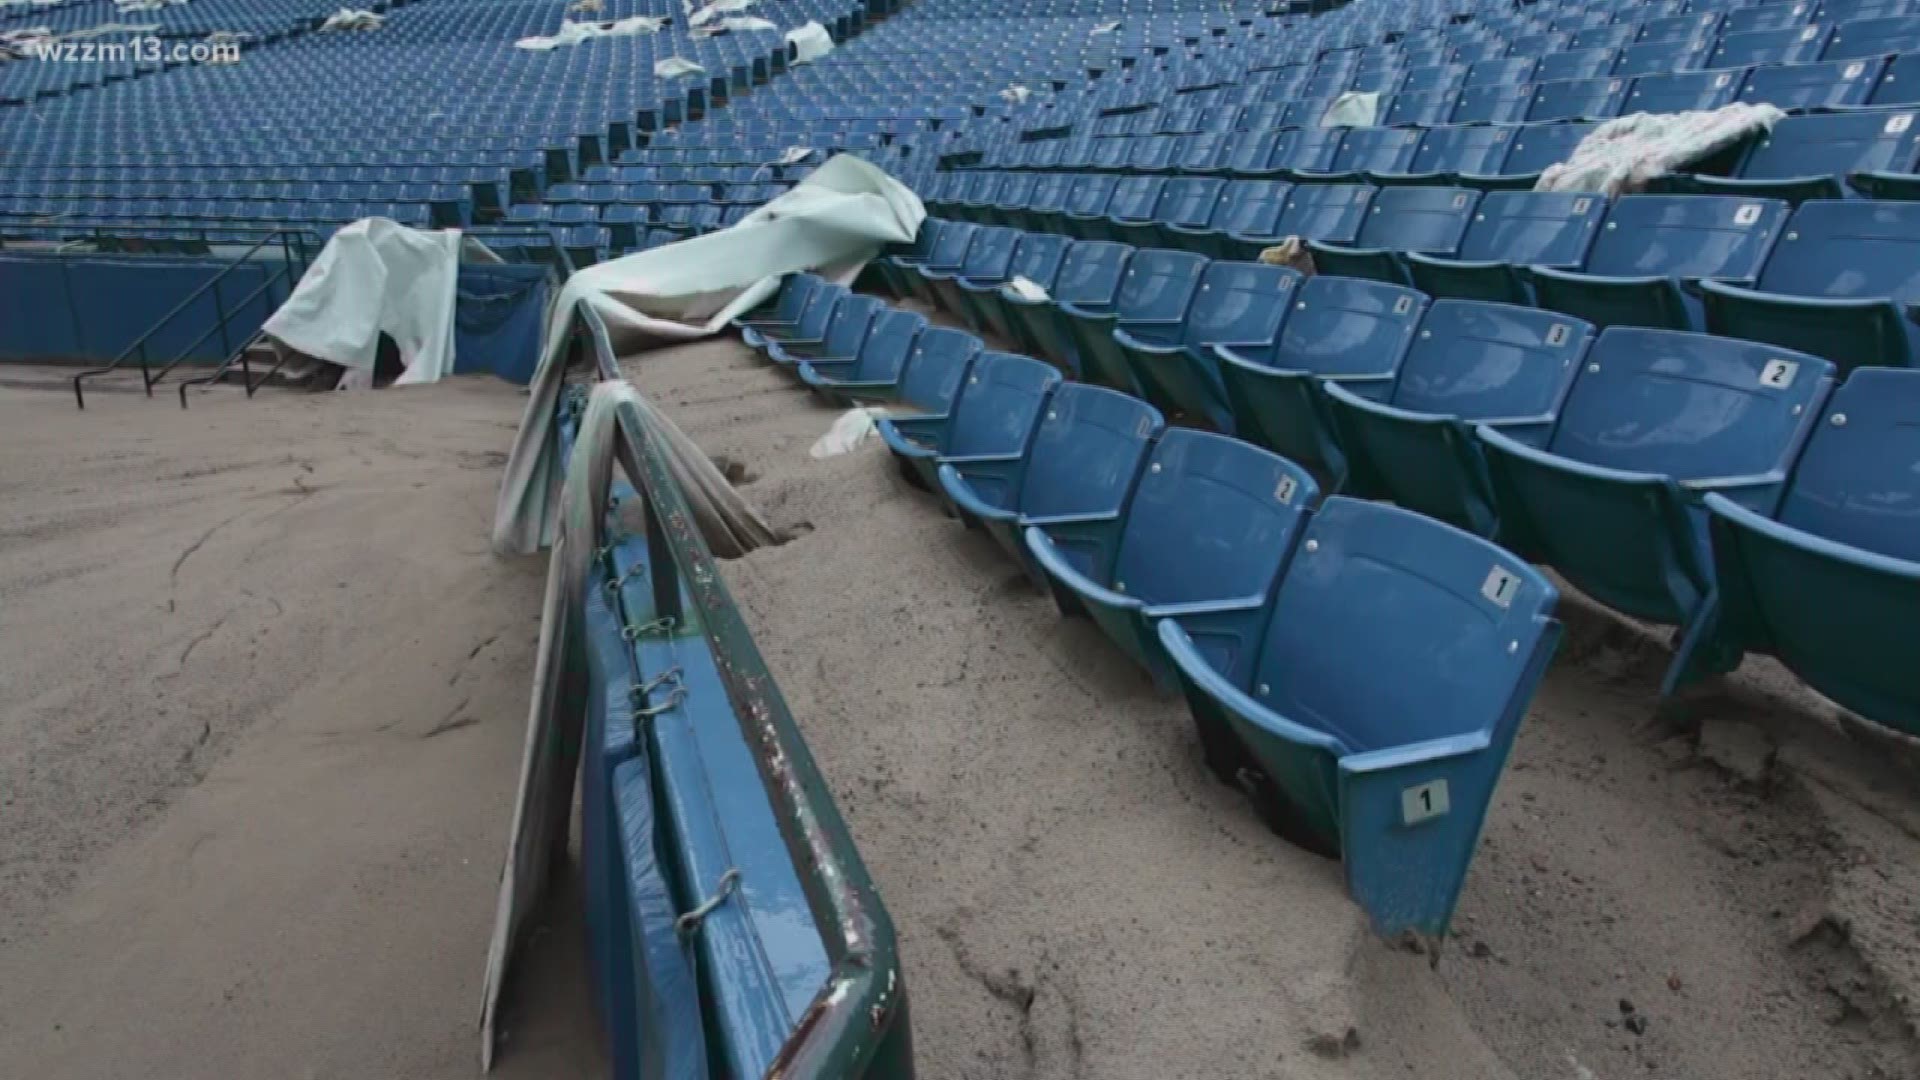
(673, 67)
(573, 33)
(1104, 28)
(748, 22)
(810, 42)
(833, 222)
(1352, 109)
(353, 19)
(1015, 94)
(585, 7)
(719, 7)
(849, 430)
(1622, 156)
(1026, 289)
(376, 276)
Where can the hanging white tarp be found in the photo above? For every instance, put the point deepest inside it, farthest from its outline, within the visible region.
(810, 42)
(573, 33)
(376, 276)
(832, 223)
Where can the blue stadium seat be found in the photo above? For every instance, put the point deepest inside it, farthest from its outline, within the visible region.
(1576, 64)
(1473, 363)
(943, 260)
(1401, 219)
(1682, 91)
(852, 318)
(1187, 204)
(1840, 284)
(1075, 477)
(1829, 584)
(1810, 157)
(785, 307)
(1085, 213)
(1149, 306)
(1576, 99)
(1826, 84)
(986, 262)
(1340, 329)
(1873, 37)
(1787, 45)
(1492, 104)
(1237, 304)
(1368, 150)
(936, 368)
(1049, 198)
(1037, 258)
(1653, 251)
(1204, 535)
(1656, 419)
(1089, 279)
(1655, 57)
(1536, 146)
(810, 325)
(1899, 81)
(1015, 192)
(1394, 775)
(1330, 212)
(1510, 231)
(895, 265)
(992, 413)
(1455, 150)
(1248, 218)
(873, 375)
(1130, 214)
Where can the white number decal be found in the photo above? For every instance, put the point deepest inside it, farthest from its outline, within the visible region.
(1500, 586)
(1428, 800)
(1778, 373)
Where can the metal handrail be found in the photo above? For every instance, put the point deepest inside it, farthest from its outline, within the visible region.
(858, 1021)
(290, 240)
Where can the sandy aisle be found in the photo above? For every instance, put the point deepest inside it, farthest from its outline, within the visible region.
(262, 692)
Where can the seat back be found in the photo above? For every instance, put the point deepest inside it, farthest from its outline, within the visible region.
(1348, 326)
(1681, 91)
(1189, 201)
(1239, 304)
(793, 296)
(1838, 143)
(1481, 361)
(1848, 249)
(1155, 292)
(1510, 71)
(1492, 104)
(1037, 257)
(1251, 207)
(1421, 109)
(1687, 236)
(1790, 45)
(1329, 212)
(1689, 406)
(890, 340)
(1376, 149)
(949, 250)
(990, 254)
(1475, 149)
(1091, 272)
(818, 312)
(1090, 195)
(1653, 57)
(1050, 192)
(1858, 482)
(1574, 99)
(848, 328)
(1087, 451)
(1213, 518)
(1373, 588)
(935, 368)
(1134, 198)
(1016, 190)
(1873, 37)
(1425, 219)
(1898, 82)
(1536, 146)
(998, 405)
(1309, 149)
(1825, 84)
(1534, 228)
(1579, 63)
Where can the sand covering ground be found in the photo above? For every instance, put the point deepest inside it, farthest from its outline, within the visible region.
(261, 695)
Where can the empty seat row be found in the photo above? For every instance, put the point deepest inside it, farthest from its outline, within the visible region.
(1832, 278)
(1217, 565)
(1590, 452)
